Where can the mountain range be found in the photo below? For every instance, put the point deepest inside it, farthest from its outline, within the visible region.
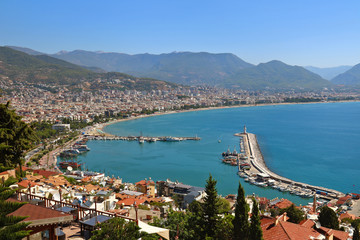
(350, 77)
(276, 74)
(44, 69)
(188, 68)
(179, 67)
(328, 73)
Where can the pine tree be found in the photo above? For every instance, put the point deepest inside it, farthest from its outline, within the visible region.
(11, 227)
(328, 218)
(255, 228)
(240, 222)
(210, 209)
(356, 235)
(15, 137)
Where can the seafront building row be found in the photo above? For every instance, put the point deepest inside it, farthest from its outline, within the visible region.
(40, 104)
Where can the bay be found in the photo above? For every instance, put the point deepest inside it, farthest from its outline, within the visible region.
(317, 144)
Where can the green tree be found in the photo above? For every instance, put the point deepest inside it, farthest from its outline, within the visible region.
(240, 222)
(179, 225)
(255, 226)
(328, 218)
(356, 235)
(210, 209)
(225, 228)
(117, 228)
(224, 205)
(10, 227)
(295, 215)
(15, 137)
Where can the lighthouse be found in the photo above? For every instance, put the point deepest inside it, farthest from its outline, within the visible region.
(245, 129)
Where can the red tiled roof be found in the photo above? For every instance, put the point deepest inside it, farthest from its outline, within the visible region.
(41, 215)
(285, 230)
(284, 203)
(46, 174)
(338, 235)
(130, 201)
(307, 223)
(144, 182)
(343, 200)
(25, 183)
(347, 215)
(4, 173)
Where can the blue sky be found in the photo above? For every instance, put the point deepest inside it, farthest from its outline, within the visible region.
(321, 33)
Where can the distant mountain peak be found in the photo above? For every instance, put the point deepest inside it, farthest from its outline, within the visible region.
(350, 77)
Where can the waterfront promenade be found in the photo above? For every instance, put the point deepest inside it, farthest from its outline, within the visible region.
(252, 150)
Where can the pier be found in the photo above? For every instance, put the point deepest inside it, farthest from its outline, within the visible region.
(137, 138)
(258, 166)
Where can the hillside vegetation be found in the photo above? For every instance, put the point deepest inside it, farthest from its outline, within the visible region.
(44, 69)
(350, 77)
(276, 74)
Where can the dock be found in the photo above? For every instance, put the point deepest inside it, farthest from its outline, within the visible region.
(145, 138)
(258, 166)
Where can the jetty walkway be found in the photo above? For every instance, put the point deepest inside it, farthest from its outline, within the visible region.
(137, 138)
(252, 150)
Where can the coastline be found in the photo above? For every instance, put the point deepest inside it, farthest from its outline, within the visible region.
(103, 125)
(261, 161)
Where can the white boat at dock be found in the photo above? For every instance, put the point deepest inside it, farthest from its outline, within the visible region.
(172, 139)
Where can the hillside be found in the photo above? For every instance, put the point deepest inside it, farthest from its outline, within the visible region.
(276, 74)
(26, 50)
(179, 67)
(21, 67)
(350, 77)
(328, 73)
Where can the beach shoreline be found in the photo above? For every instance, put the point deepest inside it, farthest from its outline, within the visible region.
(103, 125)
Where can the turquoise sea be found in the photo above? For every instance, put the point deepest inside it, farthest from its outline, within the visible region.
(314, 143)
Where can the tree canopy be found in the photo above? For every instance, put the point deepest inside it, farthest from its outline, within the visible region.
(117, 228)
(328, 218)
(295, 215)
(240, 222)
(15, 137)
(255, 225)
(10, 227)
(211, 208)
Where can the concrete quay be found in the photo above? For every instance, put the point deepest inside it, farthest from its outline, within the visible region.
(252, 150)
(136, 138)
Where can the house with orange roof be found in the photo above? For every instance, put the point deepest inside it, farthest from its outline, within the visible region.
(41, 219)
(130, 202)
(279, 228)
(46, 174)
(281, 204)
(344, 200)
(146, 186)
(24, 185)
(348, 216)
(6, 174)
(333, 234)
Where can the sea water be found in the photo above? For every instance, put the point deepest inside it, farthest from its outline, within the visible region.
(317, 144)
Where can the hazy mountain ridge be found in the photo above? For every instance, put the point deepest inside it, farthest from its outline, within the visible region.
(350, 77)
(276, 74)
(223, 69)
(19, 66)
(328, 73)
(179, 67)
(26, 50)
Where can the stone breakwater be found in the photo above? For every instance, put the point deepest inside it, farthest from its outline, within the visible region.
(252, 150)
